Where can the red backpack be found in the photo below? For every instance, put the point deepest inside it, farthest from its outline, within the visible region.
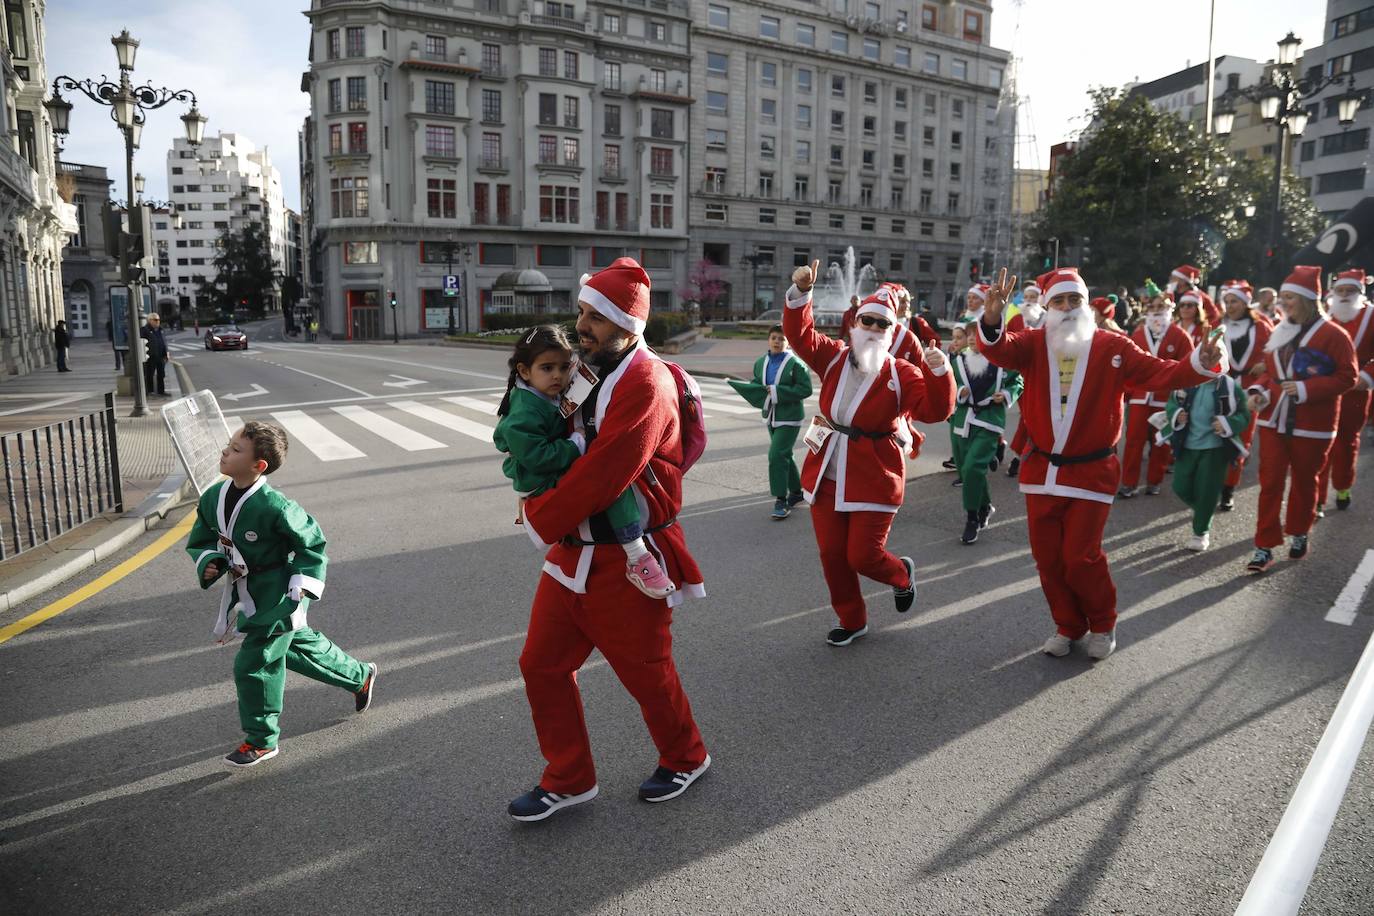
(692, 421)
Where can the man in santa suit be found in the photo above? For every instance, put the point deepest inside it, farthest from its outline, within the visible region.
(1267, 303)
(1029, 316)
(974, 301)
(1158, 336)
(632, 424)
(1075, 375)
(908, 342)
(918, 325)
(1353, 312)
(855, 476)
(1309, 362)
(1247, 331)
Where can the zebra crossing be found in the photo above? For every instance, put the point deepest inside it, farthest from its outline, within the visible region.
(346, 432)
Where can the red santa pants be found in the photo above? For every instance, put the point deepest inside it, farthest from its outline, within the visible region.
(1066, 541)
(1340, 464)
(1139, 433)
(631, 630)
(1238, 463)
(853, 544)
(1281, 457)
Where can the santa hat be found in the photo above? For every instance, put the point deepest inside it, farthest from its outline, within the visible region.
(1355, 278)
(881, 302)
(1031, 288)
(1209, 310)
(980, 290)
(620, 293)
(1061, 280)
(1239, 288)
(1104, 306)
(1188, 274)
(1305, 281)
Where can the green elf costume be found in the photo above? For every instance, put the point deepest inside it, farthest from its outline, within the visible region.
(1202, 455)
(976, 426)
(281, 549)
(780, 387)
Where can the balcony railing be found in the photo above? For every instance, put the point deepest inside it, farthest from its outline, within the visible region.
(495, 163)
(493, 69)
(561, 21)
(604, 224)
(612, 172)
(484, 218)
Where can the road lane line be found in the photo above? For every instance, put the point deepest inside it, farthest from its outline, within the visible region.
(100, 583)
(1348, 601)
(323, 379)
(445, 419)
(474, 404)
(371, 397)
(418, 365)
(388, 429)
(728, 408)
(311, 433)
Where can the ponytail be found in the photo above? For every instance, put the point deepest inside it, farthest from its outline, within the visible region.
(536, 340)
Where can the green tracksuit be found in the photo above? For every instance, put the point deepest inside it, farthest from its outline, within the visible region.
(1201, 457)
(977, 424)
(281, 547)
(782, 402)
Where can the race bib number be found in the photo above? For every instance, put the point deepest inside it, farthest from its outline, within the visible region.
(816, 433)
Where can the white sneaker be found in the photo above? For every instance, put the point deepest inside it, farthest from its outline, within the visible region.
(1100, 645)
(1057, 645)
(1200, 542)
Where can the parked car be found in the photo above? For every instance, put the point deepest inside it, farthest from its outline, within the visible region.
(226, 337)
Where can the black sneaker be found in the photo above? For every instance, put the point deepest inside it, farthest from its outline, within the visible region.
(780, 510)
(958, 482)
(664, 783)
(1228, 501)
(1126, 492)
(905, 597)
(1261, 560)
(1297, 549)
(1342, 502)
(1014, 467)
(970, 534)
(842, 637)
(949, 465)
(363, 698)
(537, 804)
(795, 499)
(249, 756)
(985, 515)
(1001, 450)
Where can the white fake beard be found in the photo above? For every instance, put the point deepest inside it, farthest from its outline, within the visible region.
(1158, 324)
(869, 348)
(1070, 332)
(1284, 332)
(977, 363)
(1344, 308)
(1033, 313)
(1236, 328)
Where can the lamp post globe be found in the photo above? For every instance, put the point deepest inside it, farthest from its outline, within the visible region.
(126, 49)
(59, 113)
(195, 125)
(1288, 50)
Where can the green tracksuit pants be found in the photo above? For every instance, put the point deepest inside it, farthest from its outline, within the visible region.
(1198, 477)
(260, 675)
(783, 478)
(972, 454)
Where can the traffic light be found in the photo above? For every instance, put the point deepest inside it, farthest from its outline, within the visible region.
(1046, 255)
(392, 295)
(973, 271)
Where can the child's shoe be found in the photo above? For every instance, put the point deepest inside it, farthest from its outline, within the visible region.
(249, 756)
(1200, 542)
(362, 699)
(646, 575)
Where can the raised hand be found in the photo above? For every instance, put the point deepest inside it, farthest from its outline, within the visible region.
(934, 358)
(998, 296)
(1209, 354)
(805, 277)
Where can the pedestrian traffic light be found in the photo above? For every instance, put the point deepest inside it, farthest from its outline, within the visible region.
(392, 295)
(1046, 255)
(973, 271)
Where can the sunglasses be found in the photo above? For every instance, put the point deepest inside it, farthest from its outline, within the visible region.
(873, 321)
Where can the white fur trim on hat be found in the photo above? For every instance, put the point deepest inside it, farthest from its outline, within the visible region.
(877, 308)
(1348, 281)
(981, 294)
(594, 297)
(1031, 287)
(1237, 291)
(1190, 297)
(1067, 285)
(1298, 290)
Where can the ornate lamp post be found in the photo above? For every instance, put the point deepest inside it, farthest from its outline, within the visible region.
(1280, 99)
(129, 105)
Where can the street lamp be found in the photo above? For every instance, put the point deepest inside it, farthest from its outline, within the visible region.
(128, 105)
(450, 246)
(1280, 99)
(139, 184)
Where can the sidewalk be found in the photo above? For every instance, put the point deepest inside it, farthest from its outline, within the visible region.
(150, 475)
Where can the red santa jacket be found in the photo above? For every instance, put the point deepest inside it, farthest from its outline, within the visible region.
(1091, 419)
(638, 444)
(905, 345)
(1175, 344)
(1248, 352)
(924, 332)
(1361, 331)
(1314, 412)
(870, 473)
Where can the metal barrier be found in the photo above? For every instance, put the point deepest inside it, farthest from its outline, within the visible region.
(58, 477)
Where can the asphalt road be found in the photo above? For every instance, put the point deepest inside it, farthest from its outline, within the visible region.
(942, 765)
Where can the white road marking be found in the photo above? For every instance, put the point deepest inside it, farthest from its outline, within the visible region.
(234, 423)
(1348, 601)
(311, 433)
(729, 408)
(388, 429)
(414, 365)
(56, 403)
(405, 382)
(323, 379)
(257, 391)
(445, 419)
(474, 404)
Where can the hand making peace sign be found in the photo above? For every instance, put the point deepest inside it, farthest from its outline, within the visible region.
(997, 297)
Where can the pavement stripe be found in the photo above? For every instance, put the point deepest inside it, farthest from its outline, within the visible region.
(740, 409)
(445, 419)
(475, 404)
(100, 584)
(311, 433)
(323, 379)
(388, 429)
(1348, 601)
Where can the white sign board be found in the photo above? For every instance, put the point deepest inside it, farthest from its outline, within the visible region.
(199, 434)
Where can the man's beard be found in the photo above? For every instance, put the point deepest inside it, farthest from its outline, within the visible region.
(868, 349)
(976, 362)
(609, 355)
(1070, 333)
(1236, 328)
(1158, 324)
(1345, 309)
(1033, 313)
(1284, 333)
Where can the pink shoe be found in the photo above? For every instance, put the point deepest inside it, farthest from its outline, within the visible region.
(646, 575)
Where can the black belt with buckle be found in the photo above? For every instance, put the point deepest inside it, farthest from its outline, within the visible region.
(1061, 460)
(573, 540)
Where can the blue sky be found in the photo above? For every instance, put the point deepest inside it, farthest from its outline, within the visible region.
(244, 62)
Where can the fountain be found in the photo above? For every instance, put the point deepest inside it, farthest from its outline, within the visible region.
(841, 282)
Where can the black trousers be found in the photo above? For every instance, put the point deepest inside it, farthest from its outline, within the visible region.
(155, 370)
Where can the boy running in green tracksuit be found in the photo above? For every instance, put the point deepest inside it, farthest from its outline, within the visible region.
(1204, 424)
(781, 385)
(983, 394)
(273, 552)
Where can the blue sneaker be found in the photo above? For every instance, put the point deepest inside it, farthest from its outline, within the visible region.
(1263, 559)
(665, 783)
(795, 499)
(537, 804)
(780, 510)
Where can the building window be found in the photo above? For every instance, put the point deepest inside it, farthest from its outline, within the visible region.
(806, 35)
(955, 231)
(899, 227)
(866, 195)
(768, 216)
(765, 184)
(839, 42)
(661, 211)
(611, 121)
(553, 255)
(837, 86)
(768, 111)
(899, 99)
(548, 150)
(956, 109)
(611, 76)
(952, 203)
(768, 74)
(357, 93)
(439, 99)
(357, 136)
(661, 123)
(837, 121)
(331, 44)
(558, 204)
(548, 62)
(930, 104)
(714, 181)
(926, 203)
(954, 171)
(717, 213)
(769, 27)
(610, 24)
(715, 139)
(718, 16)
(500, 255)
(1345, 180)
(928, 135)
(656, 31)
(835, 191)
(870, 91)
(929, 19)
(801, 188)
(491, 102)
(803, 151)
(717, 64)
(932, 63)
(1348, 142)
(902, 56)
(804, 80)
(899, 131)
(660, 161)
(335, 143)
(995, 79)
(870, 124)
(548, 109)
(768, 146)
(899, 163)
(571, 151)
(491, 150)
(335, 96)
(354, 41)
(802, 219)
(973, 26)
(873, 48)
(440, 141)
(348, 197)
(443, 198)
(610, 158)
(958, 68)
(804, 116)
(491, 59)
(570, 65)
(571, 111)
(436, 47)
(717, 103)
(956, 139)
(836, 221)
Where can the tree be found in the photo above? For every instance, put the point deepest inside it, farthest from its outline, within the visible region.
(243, 272)
(705, 286)
(1140, 196)
(1247, 255)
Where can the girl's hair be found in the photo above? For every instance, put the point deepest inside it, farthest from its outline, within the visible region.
(527, 349)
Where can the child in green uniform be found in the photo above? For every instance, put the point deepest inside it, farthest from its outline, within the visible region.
(273, 553)
(533, 432)
(984, 392)
(1204, 424)
(780, 386)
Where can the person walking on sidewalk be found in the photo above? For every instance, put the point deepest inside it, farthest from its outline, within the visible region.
(61, 341)
(155, 359)
(780, 386)
(1204, 425)
(273, 553)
